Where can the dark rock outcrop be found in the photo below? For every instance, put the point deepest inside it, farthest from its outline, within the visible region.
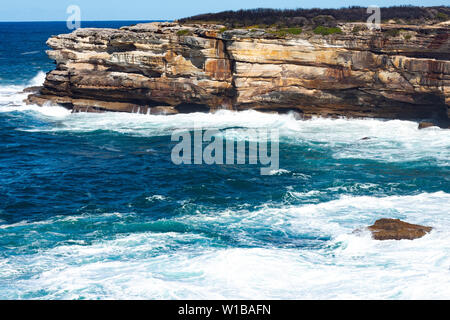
(395, 229)
(403, 74)
(35, 89)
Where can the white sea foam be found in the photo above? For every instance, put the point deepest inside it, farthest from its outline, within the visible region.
(389, 141)
(148, 265)
(279, 172)
(302, 195)
(29, 53)
(44, 111)
(167, 265)
(59, 219)
(336, 217)
(12, 97)
(38, 80)
(156, 197)
(392, 141)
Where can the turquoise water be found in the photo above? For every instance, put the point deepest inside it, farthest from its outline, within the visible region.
(91, 206)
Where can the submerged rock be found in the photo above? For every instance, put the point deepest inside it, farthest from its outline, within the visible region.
(395, 229)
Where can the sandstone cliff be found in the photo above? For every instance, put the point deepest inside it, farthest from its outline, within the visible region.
(168, 67)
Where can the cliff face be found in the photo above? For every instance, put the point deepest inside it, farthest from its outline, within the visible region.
(170, 68)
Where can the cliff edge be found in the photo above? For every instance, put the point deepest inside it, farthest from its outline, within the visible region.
(398, 72)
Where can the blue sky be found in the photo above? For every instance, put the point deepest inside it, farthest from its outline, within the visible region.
(55, 10)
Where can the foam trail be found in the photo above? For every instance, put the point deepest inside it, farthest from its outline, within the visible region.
(390, 141)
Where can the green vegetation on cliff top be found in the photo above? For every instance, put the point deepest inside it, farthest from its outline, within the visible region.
(289, 18)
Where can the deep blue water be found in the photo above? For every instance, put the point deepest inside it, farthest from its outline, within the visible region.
(91, 205)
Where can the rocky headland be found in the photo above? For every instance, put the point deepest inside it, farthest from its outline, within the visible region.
(398, 72)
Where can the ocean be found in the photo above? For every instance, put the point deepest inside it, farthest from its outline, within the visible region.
(92, 207)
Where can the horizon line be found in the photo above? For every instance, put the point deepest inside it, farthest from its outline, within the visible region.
(115, 20)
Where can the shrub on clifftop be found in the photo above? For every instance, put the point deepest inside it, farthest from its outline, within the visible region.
(327, 31)
(315, 17)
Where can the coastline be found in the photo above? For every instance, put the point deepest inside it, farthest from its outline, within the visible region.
(400, 72)
(92, 207)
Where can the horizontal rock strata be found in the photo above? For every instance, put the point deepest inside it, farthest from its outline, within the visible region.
(185, 68)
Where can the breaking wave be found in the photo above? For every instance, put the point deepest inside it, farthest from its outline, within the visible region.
(111, 218)
(188, 265)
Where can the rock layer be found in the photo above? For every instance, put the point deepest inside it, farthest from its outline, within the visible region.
(184, 68)
(395, 229)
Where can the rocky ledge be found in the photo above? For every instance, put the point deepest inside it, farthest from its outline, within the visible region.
(400, 72)
(395, 229)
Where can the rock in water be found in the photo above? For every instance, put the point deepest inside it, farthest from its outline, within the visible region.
(424, 124)
(34, 89)
(395, 229)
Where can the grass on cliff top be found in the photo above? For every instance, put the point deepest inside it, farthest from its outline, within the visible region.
(284, 32)
(392, 33)
(442, 16)
(279, 32)
(183, 32)
(324, 31)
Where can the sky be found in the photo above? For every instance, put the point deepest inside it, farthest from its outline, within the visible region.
(55, 10)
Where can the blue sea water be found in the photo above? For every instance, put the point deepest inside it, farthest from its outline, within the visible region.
(91, 206)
